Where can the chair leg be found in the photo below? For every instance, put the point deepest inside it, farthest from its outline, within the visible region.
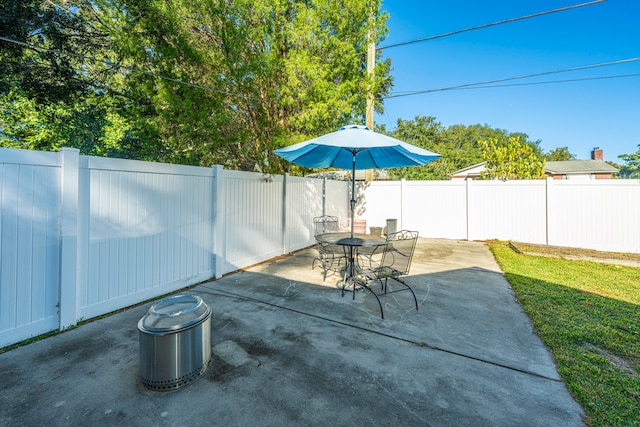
(344, 282)
(408, 287)
(384, 287)
(377, 298)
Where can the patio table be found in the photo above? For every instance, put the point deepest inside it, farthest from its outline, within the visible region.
(358, 240)
(354, 244)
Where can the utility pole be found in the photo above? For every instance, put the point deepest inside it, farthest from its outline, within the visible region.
(371, 64)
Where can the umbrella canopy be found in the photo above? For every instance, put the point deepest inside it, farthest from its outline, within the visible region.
(355, 147)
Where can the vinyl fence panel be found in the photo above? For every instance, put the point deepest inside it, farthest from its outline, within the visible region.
(336, 202)
(148, 231)
(253, 209)
(304, 202)
(379, 201)
(29, 245)
(435, 208)
(511, 210)
(603, 215)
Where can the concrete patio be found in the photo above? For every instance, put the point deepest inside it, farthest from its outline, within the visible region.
(287, 349)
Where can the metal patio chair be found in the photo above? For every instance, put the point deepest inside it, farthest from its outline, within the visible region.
(325, 224)
(331, 257)
(394, 262)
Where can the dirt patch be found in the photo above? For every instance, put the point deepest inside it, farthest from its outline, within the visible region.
(622, 363)
(622, 258)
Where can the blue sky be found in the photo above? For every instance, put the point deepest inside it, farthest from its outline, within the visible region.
(581, 115)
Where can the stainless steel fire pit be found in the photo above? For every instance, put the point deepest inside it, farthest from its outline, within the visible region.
(175, 342)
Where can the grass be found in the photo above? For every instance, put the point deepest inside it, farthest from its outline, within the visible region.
(588, 315)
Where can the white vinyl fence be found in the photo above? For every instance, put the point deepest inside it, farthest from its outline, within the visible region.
(139, 233)
(599, 214)
(29, 244)
(82, 236)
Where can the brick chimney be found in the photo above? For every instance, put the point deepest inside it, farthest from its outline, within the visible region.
(597, 154)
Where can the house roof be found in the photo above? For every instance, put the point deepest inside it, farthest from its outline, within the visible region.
(566, 167)
(579, 166)
(471, 168)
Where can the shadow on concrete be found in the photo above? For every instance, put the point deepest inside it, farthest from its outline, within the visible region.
(287, 349)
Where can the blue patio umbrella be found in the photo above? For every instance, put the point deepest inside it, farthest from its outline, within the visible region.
(355, 147)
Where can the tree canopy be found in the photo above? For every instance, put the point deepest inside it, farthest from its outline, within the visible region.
(559, 154)
(459, 145)
(515, 160)
(195, 82)
(631, 168)
(207, 82)
(43, 61)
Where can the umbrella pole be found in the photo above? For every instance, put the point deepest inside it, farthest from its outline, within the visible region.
(353, 193)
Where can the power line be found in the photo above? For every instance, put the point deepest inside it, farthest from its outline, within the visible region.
(562, 9)
(126, 68)
(544, 82)
(490, 82)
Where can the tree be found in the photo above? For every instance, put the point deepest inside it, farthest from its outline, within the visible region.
(516, 160)
(559, 154)
(631, 169)
(263, 74)
(43, 60)
(56, 89)
(196, 82)
(424, 132)
(458, 144)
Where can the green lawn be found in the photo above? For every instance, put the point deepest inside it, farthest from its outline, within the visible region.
(588, 315)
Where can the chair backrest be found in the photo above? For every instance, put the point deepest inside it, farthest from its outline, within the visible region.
(326, 224)
(398, 251)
